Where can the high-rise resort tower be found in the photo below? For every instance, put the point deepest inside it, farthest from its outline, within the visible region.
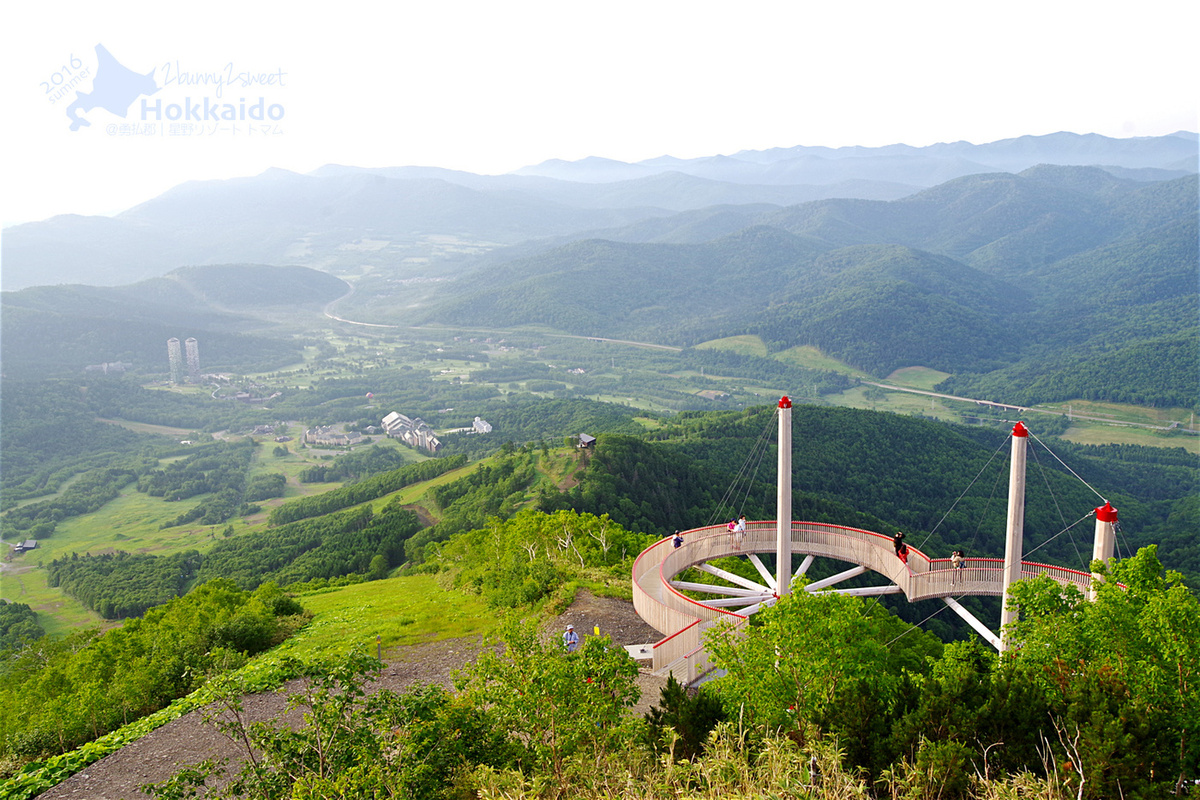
(193, 359)
(175, 358)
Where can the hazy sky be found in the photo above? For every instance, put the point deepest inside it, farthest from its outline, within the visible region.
(491, 86)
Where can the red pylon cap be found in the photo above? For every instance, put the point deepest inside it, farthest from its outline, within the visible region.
(784, 402)
(1106, 513)
(1020, 430)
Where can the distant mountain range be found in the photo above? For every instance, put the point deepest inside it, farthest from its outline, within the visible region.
(55, 330)
(1147, 158)
(1017, 284)
(1053, 282)
(413, 221)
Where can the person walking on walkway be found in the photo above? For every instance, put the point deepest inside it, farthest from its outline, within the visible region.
(901, 547)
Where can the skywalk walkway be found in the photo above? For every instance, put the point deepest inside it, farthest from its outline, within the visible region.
(659, 599)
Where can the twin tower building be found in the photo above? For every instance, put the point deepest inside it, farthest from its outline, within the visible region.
(175, 356)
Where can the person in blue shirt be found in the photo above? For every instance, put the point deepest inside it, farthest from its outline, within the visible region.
(571, 639)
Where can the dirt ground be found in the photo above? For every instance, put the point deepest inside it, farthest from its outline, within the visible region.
(191, 739)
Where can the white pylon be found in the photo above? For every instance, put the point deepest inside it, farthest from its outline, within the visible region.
(783, 502)
(1104, 543)
(1015, 534)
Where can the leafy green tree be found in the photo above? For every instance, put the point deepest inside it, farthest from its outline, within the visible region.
(553, 704)
(411, 745)
(378, 568)
(18, 625)
(690, 714)
(790, 672)
(1122, 674)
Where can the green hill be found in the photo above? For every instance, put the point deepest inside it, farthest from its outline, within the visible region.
(61, 329)
(1032, 273)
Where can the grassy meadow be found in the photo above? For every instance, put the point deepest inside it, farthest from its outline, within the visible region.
(401, 611)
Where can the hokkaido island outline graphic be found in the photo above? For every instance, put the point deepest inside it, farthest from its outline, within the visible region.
(114, 89)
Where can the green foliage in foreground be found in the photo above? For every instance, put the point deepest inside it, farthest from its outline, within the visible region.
(1121, 675)
(532, 707)
(1108, 691)
(823, 698)
(57, 695)
(519, 561)
(35, 777)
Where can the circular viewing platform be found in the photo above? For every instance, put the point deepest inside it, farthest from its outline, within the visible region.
(660, 600)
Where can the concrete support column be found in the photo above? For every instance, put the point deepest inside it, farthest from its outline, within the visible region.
(1015, 534)
(1104, 543)
(783, 504)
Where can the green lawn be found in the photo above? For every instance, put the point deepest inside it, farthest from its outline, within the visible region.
(58, 613)
(917, 377)
(870, 397)
(812, 358)
(132, 523)
(146, 427)
(742, 345)
(402, 611)
(1119, 434)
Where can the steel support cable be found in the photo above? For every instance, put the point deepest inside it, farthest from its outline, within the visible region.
(1058, 508)
(1055, 536)
(986, 506)
(961, 495)
(762, 453)
(1067, 468)
(757, 452)
(917, 625)
(730, 490)
(1125, 542)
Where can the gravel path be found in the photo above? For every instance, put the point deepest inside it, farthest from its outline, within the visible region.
(190, 739)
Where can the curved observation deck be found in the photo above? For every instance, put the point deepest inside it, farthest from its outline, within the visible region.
(659, 599)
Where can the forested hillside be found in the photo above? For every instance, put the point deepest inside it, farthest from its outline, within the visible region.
(506, 531)
(945, 486)
(56, 330)
(1068, 272)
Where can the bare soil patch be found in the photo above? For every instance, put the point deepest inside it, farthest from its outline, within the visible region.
(190, 739)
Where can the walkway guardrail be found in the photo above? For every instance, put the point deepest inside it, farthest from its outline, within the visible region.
(682, 620)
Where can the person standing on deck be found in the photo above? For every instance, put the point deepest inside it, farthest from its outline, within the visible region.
(956, 559)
